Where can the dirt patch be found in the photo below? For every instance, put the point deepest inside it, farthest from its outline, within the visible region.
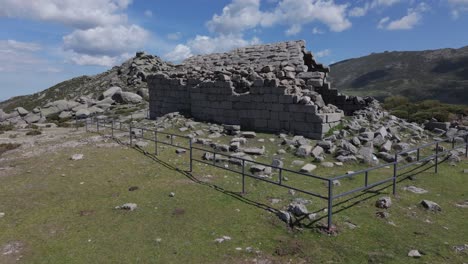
(87, 212)
(11, 252)
(178, 212)
(288, 247)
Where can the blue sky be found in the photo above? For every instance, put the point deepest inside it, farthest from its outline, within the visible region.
(43, 42)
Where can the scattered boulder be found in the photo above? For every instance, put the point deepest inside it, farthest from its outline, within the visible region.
(431, 206)
(414, 253)
(304, 151)
(384, 202)
(298, 209)
(308, 168)
(76, 157)
(127, 206)
(248, 134)
(414, 189)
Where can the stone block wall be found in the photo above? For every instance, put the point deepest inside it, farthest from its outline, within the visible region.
(266, 108)
(273, 87)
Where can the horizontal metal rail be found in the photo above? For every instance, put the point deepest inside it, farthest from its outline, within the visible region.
(330, 197)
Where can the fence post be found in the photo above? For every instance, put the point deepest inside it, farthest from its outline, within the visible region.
(155, 142)
(172, 140)
(97, 125)
(86, 125)
(453, 143)
(395, 174)
(112, 128)
(131, 136)
(437, 157)
(243, 176)
(366, 181)
(330, 204)
(417, 155)
(280, 176)
(466, 146)
(191, 161)
(76, 122)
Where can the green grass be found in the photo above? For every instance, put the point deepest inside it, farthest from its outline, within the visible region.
(402, 107)
(43, 206)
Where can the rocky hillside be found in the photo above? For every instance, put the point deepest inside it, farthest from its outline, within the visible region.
(130, 76)
(419, 75)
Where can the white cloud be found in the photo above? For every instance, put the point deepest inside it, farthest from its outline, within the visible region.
(323, 53)
(179, 53)
(237, 16)
(370, 5)
(458, 6)
(106, 40)
(317, 31)
(206, 45)
(413, 18)
(13, 45)
(148, 13)
(406, 22)
(174, 36)
(241, 15)
(383, 22)
(293, 30)
(17, 56)
(104, 45)
(81, 14)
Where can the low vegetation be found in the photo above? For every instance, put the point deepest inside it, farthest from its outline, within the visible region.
(402, 107)
(65, 213)
(33, 132)
(4, 147)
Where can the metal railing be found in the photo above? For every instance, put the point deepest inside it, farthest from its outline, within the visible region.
(243, 163)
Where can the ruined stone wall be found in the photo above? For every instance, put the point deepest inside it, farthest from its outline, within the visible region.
(266, 108)
(274, 87)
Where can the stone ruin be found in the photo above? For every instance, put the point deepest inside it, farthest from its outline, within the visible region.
(270, 88)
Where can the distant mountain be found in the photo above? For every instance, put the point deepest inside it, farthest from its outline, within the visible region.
(419, 75)
(130, 76)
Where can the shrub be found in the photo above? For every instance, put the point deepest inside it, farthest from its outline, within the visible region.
(395, 101)
(33, 133)
(8, 127)
(4, 147)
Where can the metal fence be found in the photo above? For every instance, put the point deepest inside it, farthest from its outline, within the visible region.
(330, 196)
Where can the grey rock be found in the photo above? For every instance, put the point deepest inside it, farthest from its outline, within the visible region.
(248, 134)
(127, 206)
(431, 206)
(298, 209)
(414, 189)
(180, 151)
(284, 216)
(386, 147)
(254, 151)
(346, 159)
(308, 168)
(77, 157)
(257, 168)
(327, 164)
(384, 202)
(32, 118)
(83, 113)
(110, 92)
(298, 162)
(414, 254)
(317, 151)
(21, 111)
(277, 163)
(304, 151)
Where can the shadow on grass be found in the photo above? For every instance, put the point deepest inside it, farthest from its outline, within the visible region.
(317, 223)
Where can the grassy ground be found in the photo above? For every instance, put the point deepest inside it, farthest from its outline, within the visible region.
(62, 212)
